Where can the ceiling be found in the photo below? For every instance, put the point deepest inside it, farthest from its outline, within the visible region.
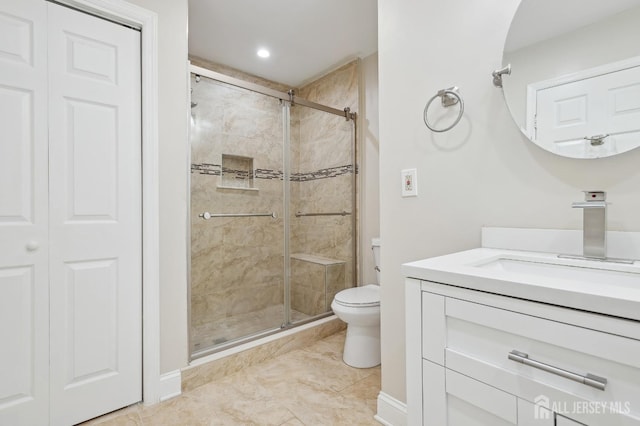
(306, 38)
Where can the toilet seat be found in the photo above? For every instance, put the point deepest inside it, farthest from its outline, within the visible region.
(359, 297)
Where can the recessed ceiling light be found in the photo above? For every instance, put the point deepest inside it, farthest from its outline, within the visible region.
(263, 53)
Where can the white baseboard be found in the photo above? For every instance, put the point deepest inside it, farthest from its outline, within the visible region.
(391, 412)
(170, 385)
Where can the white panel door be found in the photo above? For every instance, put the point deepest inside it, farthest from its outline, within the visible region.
(622, 112)
(24, 299)
(605, 104)
(95, 215)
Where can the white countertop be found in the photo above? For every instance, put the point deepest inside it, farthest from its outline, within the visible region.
(620, 298)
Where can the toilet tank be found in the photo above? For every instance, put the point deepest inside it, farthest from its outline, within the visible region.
(375, 246)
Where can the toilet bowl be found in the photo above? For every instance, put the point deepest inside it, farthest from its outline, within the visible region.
(359, 307)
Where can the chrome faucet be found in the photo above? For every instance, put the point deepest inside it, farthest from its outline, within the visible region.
(594, 224)
(594, 229)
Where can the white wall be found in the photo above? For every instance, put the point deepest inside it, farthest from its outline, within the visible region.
(369, 166)
(173, 110)
(483, 172)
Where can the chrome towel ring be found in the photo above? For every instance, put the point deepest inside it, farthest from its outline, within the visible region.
(448, 97)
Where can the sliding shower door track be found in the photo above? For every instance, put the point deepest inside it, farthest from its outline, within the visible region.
(283, 96)
(256, 336)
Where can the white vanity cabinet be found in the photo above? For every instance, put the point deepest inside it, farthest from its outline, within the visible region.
(460, 371)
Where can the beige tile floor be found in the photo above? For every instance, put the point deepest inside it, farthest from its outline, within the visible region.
(309, 386)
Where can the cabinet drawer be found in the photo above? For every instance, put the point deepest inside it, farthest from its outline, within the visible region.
(530, 414)
(479, 339)
(563, 421)
(469, 400)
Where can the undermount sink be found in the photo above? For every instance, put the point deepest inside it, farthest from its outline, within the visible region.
(589, 285)
(583, 271)
(543, 266)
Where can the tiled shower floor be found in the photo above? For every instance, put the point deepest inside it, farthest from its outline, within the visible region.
(206, 335)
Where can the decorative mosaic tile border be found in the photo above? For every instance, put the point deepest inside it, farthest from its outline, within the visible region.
(322, 173)
(215, 170)
(237, 174)
(268, 174)
(206, 169)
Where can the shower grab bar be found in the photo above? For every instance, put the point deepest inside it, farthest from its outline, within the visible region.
(207, 215)
(342, 213)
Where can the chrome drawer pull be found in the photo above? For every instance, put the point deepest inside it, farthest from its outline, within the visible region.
(589, 379)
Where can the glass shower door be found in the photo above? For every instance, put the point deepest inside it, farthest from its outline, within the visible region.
(322, 210)
(273, 228)
(237, 222)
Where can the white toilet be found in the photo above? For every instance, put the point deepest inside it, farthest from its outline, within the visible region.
(359, 307)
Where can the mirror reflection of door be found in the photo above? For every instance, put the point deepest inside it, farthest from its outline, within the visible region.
(579, 40)
(588, 115)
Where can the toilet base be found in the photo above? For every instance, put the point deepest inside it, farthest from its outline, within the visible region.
(362, 346)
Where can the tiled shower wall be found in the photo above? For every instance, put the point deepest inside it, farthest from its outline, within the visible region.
(324, 144)
(236, 263)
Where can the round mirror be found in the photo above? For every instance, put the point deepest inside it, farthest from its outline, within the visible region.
(574, 87)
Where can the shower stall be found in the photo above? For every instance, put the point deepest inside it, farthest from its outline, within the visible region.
(272, 209)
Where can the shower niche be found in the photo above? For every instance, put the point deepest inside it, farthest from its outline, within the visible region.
(278, 180)
(236, 172)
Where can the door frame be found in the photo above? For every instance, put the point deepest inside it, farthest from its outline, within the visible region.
(147, 22)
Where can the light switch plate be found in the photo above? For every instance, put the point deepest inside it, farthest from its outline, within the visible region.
(409, 183)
